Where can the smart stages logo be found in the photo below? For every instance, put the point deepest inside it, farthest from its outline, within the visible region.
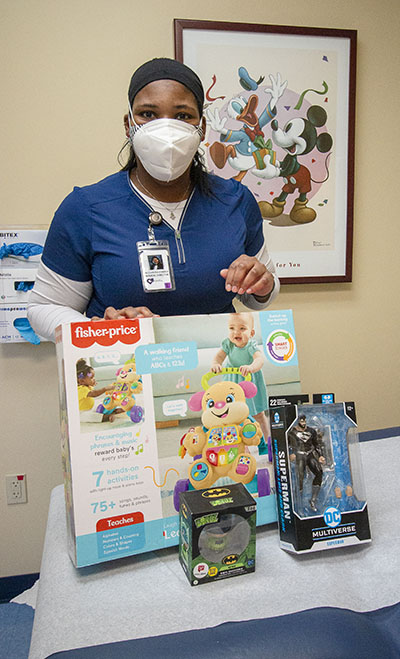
(280, 346)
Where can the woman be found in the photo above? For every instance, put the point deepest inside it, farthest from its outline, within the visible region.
(208, 230)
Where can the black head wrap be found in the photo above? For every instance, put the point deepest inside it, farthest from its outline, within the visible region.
(163, 68)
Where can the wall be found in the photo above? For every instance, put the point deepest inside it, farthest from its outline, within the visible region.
(65, 68)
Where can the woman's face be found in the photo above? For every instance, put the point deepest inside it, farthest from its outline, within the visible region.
(165, 99)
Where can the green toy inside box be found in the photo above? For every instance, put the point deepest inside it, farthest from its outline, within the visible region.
(144, 417)
(217, 533)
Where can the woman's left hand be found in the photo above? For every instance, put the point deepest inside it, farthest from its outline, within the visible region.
(246, 274)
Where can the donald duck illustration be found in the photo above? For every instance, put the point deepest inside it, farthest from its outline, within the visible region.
(245, 149)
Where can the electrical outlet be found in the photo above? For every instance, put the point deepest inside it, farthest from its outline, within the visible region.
(16, 489)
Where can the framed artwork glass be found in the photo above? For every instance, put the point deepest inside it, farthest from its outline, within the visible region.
(280, 111)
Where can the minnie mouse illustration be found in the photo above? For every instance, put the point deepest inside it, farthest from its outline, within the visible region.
(298, 137)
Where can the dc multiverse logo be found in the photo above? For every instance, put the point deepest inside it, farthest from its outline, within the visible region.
(332, 517)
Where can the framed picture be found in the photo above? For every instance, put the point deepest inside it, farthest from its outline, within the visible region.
(280, 110)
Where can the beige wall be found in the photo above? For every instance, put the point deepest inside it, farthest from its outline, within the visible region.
(65, 67)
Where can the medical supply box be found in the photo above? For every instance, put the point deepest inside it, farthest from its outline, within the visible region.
(20, 253)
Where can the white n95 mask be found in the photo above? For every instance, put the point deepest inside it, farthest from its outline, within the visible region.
(165, 147)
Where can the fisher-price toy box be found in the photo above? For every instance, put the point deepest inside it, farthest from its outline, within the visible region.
(143, 419)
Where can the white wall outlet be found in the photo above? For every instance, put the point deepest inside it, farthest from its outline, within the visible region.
(16, 489)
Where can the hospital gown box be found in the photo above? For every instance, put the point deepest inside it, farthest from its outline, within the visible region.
(319, 480)
(135, 433)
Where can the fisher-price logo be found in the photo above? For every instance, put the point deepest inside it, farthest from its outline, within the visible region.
(105, 332)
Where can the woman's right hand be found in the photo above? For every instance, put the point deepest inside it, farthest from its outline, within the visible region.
(127, 312)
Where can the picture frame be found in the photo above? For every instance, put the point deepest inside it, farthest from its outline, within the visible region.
(280, 110)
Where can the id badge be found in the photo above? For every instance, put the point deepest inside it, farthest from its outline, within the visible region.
(155, 266)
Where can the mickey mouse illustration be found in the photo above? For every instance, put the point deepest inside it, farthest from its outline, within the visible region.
(298, 137)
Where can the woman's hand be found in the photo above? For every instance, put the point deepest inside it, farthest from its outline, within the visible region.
(246, 274)
(127, 312)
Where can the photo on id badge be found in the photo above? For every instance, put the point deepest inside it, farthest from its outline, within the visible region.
(156, 269)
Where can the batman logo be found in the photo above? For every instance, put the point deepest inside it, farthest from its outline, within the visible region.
(215, 492)
(230, 559)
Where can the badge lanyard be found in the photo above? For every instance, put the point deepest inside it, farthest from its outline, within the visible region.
(155, 260)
